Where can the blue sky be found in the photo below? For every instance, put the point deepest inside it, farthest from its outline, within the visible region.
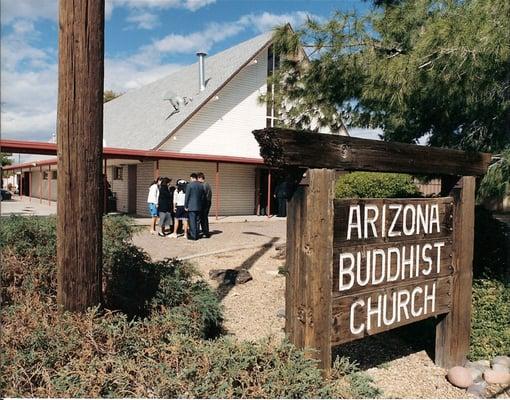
(144, 40)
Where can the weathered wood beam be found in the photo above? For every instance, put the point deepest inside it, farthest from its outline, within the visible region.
(289, 148)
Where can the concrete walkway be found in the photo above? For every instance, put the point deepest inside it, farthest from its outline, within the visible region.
(225, 237)
(27, 206)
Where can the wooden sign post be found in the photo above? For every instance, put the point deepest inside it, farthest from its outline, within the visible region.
(357, 267)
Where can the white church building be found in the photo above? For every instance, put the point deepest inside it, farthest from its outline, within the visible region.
(204, 114)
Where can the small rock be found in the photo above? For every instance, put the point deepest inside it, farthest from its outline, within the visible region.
(476, 373)
(460, 377)
(243, 276)
(230, 276)
(280, 246)
(497, 377)
(482, 365)
(477, 389)
(280, 313)
(500, 368)
(501, 360)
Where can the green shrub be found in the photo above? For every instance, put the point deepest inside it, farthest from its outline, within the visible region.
(52, 354)
(132, 283)
(490, 335)
(376, 185)
(154, 347)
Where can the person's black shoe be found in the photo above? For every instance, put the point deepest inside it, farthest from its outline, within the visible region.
(161, 234)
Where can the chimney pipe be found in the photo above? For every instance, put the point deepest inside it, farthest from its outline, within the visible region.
(201, 70)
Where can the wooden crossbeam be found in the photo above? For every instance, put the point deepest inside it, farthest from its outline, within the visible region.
(289, 148)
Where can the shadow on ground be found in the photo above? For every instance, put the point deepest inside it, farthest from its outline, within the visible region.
(224, 288)
(375, 350)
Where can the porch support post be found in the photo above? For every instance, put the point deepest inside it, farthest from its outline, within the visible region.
(20, 183)
(30, 184)
(156, 170)
(105, 184)
(49, 184)
(217, 182)
(40, 184)
(269, 194)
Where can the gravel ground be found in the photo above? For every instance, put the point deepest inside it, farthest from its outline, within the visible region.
(400, 369)
(251, 308)
(414, 375)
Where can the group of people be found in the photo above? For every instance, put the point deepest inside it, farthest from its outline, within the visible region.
(182, 207)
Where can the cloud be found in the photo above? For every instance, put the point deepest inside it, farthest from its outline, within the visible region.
(28, 9)
(29, 81)
(201, 40)
(122, 75)
(48, 9)
(144, 20)
(266, 21)
(194, 5)
(217, 32)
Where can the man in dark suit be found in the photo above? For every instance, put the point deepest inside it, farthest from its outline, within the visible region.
(204, 216)
(193, 204)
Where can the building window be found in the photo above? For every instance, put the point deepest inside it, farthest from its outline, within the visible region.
(273, 62)
(117, 173)
(53, 174)
(45, 175)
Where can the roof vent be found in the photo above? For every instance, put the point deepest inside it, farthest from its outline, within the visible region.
(201, 70)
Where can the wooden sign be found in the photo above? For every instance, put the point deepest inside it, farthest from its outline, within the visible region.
(392, 262)
(357, 267)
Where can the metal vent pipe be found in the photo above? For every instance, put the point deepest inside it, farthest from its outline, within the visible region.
(201, 70)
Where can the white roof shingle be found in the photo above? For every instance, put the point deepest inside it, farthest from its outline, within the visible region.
(138, 118)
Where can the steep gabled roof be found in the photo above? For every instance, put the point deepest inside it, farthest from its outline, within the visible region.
(138, 119)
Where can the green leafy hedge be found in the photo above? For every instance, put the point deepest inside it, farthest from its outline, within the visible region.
(376, 185)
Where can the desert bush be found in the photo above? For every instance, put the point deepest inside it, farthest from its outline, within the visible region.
(153, 347)
(490, 335)
(132, 283)
(52, 354)
(375, 185)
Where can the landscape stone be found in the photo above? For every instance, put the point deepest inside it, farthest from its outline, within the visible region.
(501, 360)
(477, 389)
(482, 364)
(476, 373)
(496, 377)
(243, 276)
(500, 368)
(280, 313)
(460, 377)
(280, 246)
(230, 276)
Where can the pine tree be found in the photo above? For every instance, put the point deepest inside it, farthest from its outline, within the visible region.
(438, 69)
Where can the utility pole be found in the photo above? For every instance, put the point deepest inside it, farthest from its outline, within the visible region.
(80, 148)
